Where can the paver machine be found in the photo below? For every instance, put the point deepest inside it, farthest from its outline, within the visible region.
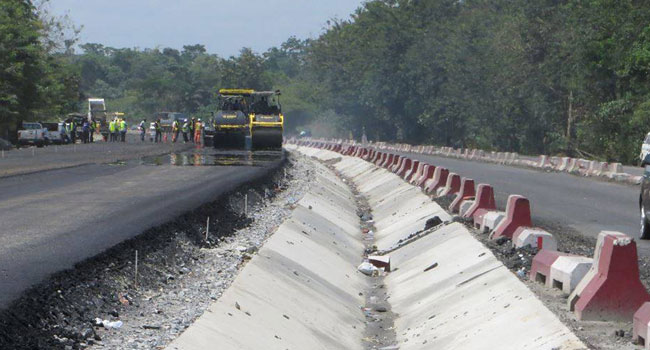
(266, 120)
(231, 121)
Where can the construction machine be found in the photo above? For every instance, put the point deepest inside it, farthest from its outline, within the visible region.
(97, 113)
(267, 121)
(231, 122)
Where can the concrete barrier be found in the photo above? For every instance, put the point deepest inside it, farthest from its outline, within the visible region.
(612, 289)
(418, 172)
(407, 163)
(467, 191)
(411, 173)
(641, 326)
(427, 174)
(488, 220)
(540, 270)
(533, 236)
(439, 179)
(568, 271)
(517, 215)
(452, 186)
(484, 202)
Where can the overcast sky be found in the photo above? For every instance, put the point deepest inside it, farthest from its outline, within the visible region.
(223, 26)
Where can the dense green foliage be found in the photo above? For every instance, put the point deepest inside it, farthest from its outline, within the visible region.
(547, 76)
(33, 80)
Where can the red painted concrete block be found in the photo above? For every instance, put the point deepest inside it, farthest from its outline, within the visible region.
(407, 163)
(517, 215)
(612, 289)
(540, 271)
(452, 186)
(467, 191)
(427, 173)
(397, 164)
(484, 202)
(415, 167)
(439, 179)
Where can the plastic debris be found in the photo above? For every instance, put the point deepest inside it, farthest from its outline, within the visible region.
(367, 268)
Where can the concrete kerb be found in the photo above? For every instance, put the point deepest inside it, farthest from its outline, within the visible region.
(415, 295)
(311, 281)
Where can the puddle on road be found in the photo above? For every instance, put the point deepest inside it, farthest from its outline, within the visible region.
(215, 158)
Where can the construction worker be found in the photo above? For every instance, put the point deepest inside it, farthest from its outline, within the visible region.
(175, 130)
(85, 131)
(91, 131)
(192, 122)
(197, 131)
(73, 131)
(112, 129)
(143, 129)
(158, 131)
(185, 129)
(122, 126)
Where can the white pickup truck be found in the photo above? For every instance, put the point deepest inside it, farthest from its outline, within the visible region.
(33, 134)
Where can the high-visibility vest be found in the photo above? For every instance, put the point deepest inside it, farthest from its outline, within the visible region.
(197, 126)
(175, 125)
(111, 126)
(186, 127)
(123, 125)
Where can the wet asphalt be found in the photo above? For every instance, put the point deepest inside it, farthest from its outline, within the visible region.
(50, 220)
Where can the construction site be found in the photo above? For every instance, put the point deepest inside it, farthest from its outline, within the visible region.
(417, 175)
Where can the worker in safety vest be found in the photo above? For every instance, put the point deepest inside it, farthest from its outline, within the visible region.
(112, 129)
(192, 122)
(198, 127)
(158, 131)
(175, 130)
(122, 126)
(185, 129)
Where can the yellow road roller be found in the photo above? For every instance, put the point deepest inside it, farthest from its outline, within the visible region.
(266, 120)
(231, 122)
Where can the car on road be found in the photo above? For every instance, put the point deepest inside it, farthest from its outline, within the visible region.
(33, 134)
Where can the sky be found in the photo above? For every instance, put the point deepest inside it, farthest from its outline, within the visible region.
(223, 26)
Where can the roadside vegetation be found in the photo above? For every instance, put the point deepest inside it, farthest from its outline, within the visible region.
(554, 77)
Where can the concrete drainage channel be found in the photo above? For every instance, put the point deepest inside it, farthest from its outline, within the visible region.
(101, 304)
(304, 289)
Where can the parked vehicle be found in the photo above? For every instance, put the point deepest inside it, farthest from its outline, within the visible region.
(33, 134)
(56, 133)
(97, 113)
(167, 118)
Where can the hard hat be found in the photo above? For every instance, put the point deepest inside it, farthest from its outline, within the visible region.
(199, 119)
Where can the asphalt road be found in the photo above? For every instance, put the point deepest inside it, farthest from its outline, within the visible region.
(583, 205)
(51, 220)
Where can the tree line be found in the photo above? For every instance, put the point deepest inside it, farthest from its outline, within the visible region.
(547, 76)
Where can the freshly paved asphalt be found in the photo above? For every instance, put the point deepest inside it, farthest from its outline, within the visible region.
(584, 205)
(51, 220)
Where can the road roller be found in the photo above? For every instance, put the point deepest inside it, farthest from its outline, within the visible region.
(266, 120)
(231, 122)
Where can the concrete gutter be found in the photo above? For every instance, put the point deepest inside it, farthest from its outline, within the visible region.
(469, 300)
(302, 290)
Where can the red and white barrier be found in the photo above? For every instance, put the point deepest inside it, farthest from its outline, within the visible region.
(467, 191)
(612, 289)
(439, 179)
(517, 215)
(452, 186)
(568, 271)
(540, 270)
